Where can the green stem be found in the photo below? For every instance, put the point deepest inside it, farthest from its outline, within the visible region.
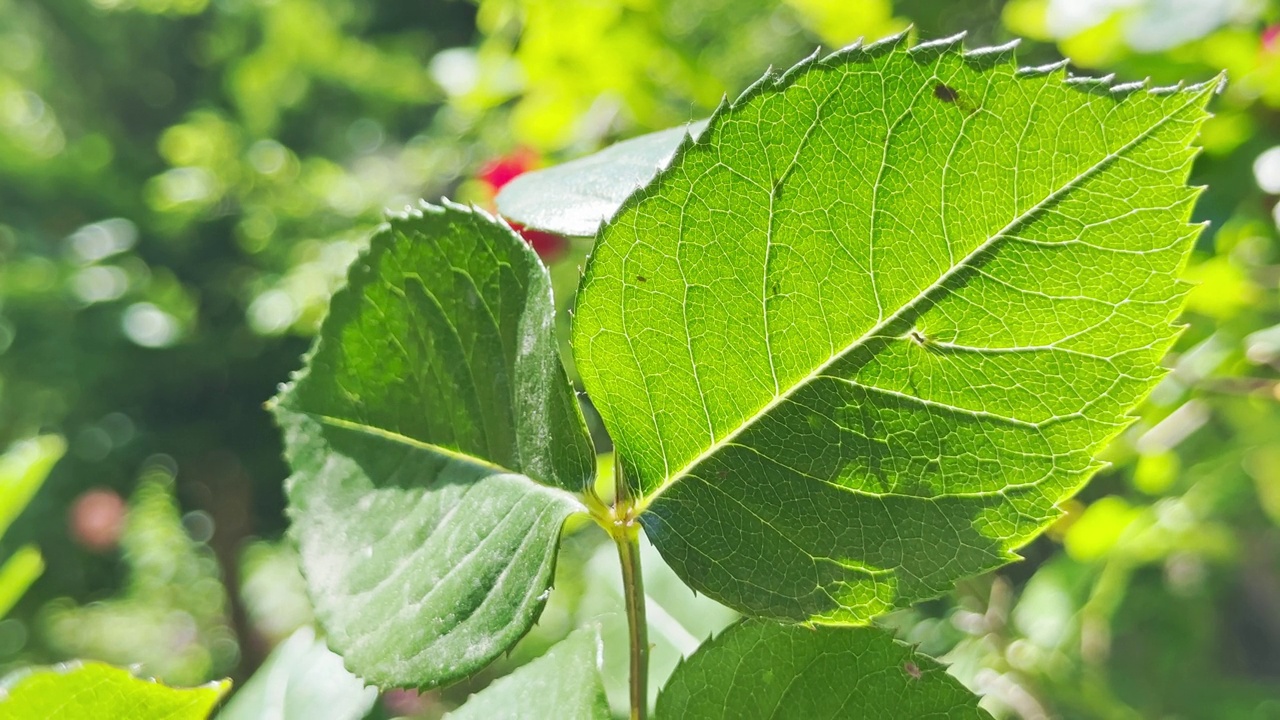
(626, 533)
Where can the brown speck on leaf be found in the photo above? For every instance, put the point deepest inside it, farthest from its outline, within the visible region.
(642, 278)
(946, 93)
(913, 670)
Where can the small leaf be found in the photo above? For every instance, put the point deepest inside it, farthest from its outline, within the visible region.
(301, 680)
(864, 334)
(93, 691)
(758, 669)
(433, 437)
(575, 198)
(564, 683)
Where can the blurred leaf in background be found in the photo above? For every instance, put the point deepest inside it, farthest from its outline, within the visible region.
(301, 680)
(169, 619)
(23, 469)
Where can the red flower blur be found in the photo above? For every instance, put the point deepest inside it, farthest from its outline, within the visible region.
(547, 245)
(97, 519)
(502, 170)
(1271, 39)
(498, 172)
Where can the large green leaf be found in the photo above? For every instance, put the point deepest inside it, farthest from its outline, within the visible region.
(860, 338)
(575, 198)
(563, 683)
(433, 437)
(759, 669)
(301, 680)
(95, 691)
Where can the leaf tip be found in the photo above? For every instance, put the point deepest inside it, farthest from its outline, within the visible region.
(1220, 83)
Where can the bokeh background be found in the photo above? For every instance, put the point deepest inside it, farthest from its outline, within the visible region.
(182, 183)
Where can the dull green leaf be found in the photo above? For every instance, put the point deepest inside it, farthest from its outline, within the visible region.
(575, 198)
(433, 437)
(859, 339)
(758, 669)
(95, 691)
(302, 679)
(563, 683)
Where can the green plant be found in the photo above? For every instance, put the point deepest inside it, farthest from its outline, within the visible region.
(853, 340)
(853, 344)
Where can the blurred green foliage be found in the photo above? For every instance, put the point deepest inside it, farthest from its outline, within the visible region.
(169, 618)
(182, 183)
(23, 469)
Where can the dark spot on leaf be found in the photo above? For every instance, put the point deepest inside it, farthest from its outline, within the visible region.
(918, 337)
(913, 670)
(642, 278)
(946, 93)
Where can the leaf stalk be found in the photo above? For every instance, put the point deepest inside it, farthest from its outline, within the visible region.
(625, 531)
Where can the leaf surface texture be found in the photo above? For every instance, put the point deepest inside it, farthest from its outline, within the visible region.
(435, 442)
(860, 337)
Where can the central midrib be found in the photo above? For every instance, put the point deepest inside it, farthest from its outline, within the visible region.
(647, 500)
(449, 453)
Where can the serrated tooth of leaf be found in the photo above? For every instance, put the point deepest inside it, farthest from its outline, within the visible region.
(940, 45)
(995, 52)
(1037, 71)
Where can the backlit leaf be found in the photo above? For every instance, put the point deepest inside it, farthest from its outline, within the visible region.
(92, 691)
(860, 338)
